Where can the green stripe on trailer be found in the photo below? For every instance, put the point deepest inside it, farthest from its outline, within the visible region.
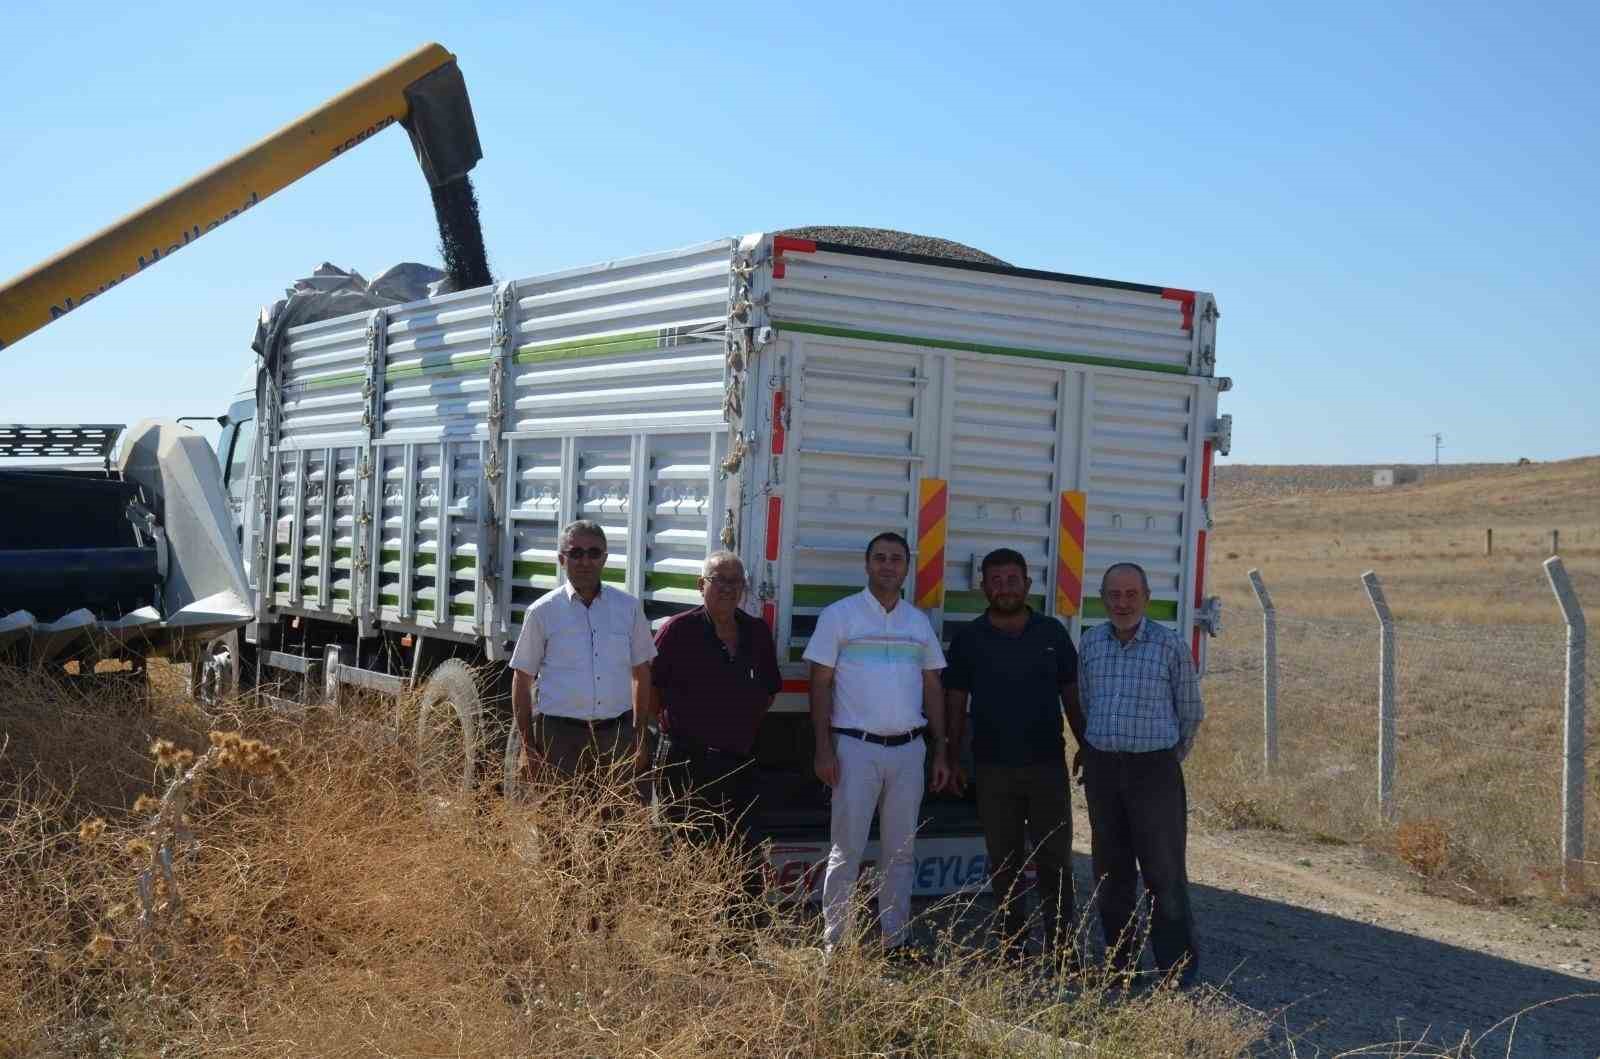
(568, 349)
(344, 379)
(653, 582)
(540, 569)
(976, 603)
(628, 342)
(970, 602)
(459, 610)
(822, 595)
(439, 365)
(807, 327)
(1157, 610)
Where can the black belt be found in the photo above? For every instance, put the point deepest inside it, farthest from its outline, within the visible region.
(695, 748)
(882, 740)
(578, 722)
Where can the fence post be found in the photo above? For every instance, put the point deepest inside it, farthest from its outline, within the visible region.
(1488, 541)
(1555, 542)
(1269, 674)
(1386, 704)
(1572, 767)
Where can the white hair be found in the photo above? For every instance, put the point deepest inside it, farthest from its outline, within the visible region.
(720, 558)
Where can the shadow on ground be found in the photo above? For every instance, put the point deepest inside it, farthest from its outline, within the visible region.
(1331, 984)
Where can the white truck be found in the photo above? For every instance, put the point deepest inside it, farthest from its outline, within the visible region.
(402, 473)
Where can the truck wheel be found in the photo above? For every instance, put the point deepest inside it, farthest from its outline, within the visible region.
(214, 674)
(449, 727)
(512, 785)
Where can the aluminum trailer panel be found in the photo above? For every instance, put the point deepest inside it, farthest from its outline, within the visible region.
(786, 398)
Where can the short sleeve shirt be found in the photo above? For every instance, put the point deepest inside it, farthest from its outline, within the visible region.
(878, 657)
(708, 696)
(1014, 681)
(583, 656)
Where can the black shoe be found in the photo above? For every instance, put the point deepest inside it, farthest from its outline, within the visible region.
(907, 954)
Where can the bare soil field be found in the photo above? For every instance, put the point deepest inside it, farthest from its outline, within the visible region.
(1473, 858)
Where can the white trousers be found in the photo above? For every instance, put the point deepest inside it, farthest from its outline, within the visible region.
(888, 780)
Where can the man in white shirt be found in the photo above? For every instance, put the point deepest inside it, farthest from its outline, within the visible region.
(586, 647)
(875, 693)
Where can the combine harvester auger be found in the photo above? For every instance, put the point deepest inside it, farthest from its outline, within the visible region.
(131, 551)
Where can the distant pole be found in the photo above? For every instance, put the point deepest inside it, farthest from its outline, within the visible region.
(1555, 542)
(1269, 674)
(1488, 541)
(1438, 443)
(1572, 766)
(1386, 705)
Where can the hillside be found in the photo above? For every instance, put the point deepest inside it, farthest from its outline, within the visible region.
(1312, 530)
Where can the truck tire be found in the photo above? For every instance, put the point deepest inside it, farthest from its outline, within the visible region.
(214, 673)
(512, 785)
(450, 727)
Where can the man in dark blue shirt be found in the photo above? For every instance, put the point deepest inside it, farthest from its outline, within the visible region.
(1019, 672)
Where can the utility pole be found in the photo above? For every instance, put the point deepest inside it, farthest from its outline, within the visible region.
(1438, 443)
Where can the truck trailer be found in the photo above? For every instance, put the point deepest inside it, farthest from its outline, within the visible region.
(401, 473)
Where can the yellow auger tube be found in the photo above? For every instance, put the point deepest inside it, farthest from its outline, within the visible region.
(172, 222)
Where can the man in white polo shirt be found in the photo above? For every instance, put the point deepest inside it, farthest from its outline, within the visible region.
(587, 647)
(875, 694)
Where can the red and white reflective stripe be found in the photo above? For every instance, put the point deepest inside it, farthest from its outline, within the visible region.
(1200, 552)
(777, 422)
(780, 243)
(769, 609)
(1185, 300)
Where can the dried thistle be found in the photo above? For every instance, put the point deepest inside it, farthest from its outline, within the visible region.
(225, 740)
(233, 947)
(117, 911)
(91, 829)
(100, 946)
(146, 804)
(138, 847)
(165, 752)
(184, 758)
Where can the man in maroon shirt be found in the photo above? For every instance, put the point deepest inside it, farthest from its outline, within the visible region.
(715, 675)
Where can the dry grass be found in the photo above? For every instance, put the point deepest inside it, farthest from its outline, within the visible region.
(331, 904)
(1480, 671)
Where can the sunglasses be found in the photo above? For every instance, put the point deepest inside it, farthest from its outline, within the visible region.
(730, 584)
(585, 553)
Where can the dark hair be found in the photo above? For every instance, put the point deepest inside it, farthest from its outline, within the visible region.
(888, 535)
(1003, 557)
(581, 528)
(1144, 579)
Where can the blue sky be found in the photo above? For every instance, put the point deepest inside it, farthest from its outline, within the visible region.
(1395, 205)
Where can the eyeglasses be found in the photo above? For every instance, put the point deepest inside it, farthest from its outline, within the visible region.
(727, 584)
(585, 553)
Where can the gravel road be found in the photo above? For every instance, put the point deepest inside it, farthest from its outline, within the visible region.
(1339, 952)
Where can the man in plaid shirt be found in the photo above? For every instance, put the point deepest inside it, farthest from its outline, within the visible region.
(1141, 701)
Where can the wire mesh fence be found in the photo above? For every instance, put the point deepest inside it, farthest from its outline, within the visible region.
(1478, 742)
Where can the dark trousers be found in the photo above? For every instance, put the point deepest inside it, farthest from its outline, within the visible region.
(1138, 810)
(579, 749)
(595, 758)
(1016, 803)
(710, 795)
